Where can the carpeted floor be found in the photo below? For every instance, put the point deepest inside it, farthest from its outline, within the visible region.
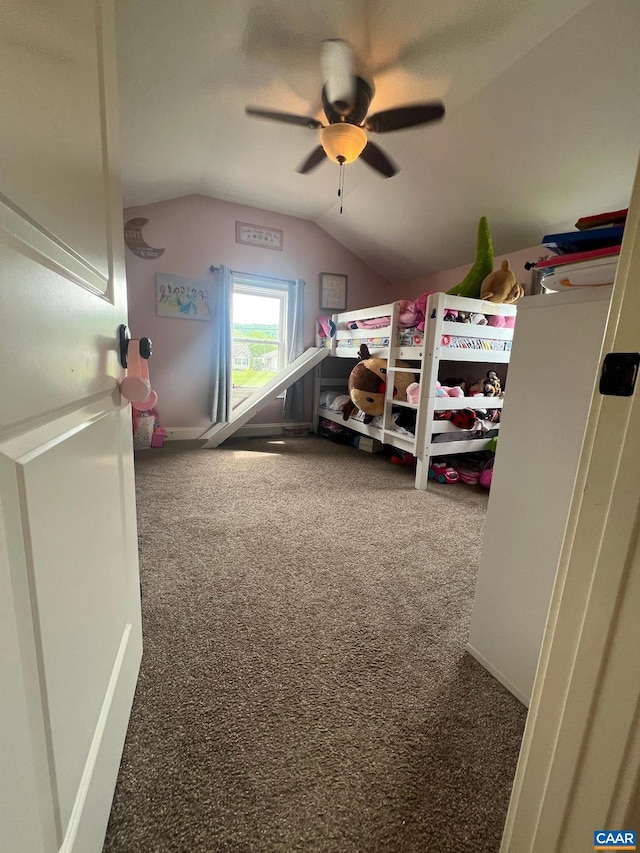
(304, 685)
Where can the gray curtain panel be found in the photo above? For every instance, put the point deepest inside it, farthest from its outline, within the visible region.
(222, 303)
(294, 398)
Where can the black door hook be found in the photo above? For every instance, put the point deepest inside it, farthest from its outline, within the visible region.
(124, 336)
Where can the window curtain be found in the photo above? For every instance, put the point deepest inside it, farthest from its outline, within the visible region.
(294, 398)
(222, 304)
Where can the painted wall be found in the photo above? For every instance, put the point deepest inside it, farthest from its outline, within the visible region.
(197, 232)
(447, 279)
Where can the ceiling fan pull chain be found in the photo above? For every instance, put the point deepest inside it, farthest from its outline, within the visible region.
(341, 182)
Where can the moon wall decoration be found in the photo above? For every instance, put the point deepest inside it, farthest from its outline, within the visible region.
(136, 242)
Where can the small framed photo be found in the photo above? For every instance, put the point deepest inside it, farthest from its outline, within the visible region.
(333, 291)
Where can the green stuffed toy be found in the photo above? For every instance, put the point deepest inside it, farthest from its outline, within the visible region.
(483, 266)
(368, 384)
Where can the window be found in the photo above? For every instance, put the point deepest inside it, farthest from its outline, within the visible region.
(259, 332)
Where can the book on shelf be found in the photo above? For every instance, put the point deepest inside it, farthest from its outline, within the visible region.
(601, 220)
(576, 257)
(571, 242)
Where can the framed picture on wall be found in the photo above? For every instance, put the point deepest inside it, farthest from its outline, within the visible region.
(333, 291)
(182, 298)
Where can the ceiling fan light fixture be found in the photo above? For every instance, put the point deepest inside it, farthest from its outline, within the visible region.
(343, 142)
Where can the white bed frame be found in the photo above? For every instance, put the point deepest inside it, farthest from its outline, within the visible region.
(429, 354)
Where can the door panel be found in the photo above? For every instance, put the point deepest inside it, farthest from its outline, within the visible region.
(61, 344)
(80, 578)
(50, 85)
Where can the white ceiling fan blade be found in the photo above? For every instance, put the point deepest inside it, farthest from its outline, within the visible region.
(338, 75)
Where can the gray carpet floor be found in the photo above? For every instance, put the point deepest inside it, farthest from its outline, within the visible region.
(305, 685)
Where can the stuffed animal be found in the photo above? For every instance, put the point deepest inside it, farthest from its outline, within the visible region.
(478, 319)
(411, 314)
(502, 322)
(454, 381)
(413, 393)
(501, 286)
(367, 385)
(471, 283)
(448, 391)
(488, 387)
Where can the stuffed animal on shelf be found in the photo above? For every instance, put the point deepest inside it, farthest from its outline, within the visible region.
(500, 322)
(448, 391)
(490, 386)
(453, 381)
(367, 385)
(471, 283)
(501, 286)
(413, 393)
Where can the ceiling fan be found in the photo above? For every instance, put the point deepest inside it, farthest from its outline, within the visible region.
(346, 98)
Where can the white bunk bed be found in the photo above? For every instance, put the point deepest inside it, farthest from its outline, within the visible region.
(485, 345)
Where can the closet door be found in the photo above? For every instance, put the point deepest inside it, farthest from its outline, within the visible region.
(552, 371)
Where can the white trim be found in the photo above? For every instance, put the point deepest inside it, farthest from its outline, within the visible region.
(266, 430)
(247, 431)
(498, 675)
(183, 433)
(264, 288)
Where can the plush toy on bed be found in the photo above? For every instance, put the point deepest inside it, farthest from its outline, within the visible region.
(368, 383)
(501, 286)
(488, 387)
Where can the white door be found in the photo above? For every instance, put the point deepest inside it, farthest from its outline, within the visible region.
(70, 634)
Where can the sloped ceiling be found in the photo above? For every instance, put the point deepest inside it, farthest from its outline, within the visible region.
(542, 122)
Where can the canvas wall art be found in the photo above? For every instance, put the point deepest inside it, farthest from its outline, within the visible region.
(182, 298)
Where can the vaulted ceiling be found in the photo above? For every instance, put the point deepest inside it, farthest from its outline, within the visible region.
(542, 119)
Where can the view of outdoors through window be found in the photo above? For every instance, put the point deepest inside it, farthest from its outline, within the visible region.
(258, 337)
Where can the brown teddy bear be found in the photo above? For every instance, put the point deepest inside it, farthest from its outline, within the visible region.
(501, 286)
(368, 383)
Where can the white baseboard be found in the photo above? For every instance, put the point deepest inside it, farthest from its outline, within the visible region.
(266, 430)
(498, 675)
(184, 433)
(247, 431)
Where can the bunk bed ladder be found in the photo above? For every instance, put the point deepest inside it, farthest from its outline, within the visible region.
(434, 316)
(406, 443)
